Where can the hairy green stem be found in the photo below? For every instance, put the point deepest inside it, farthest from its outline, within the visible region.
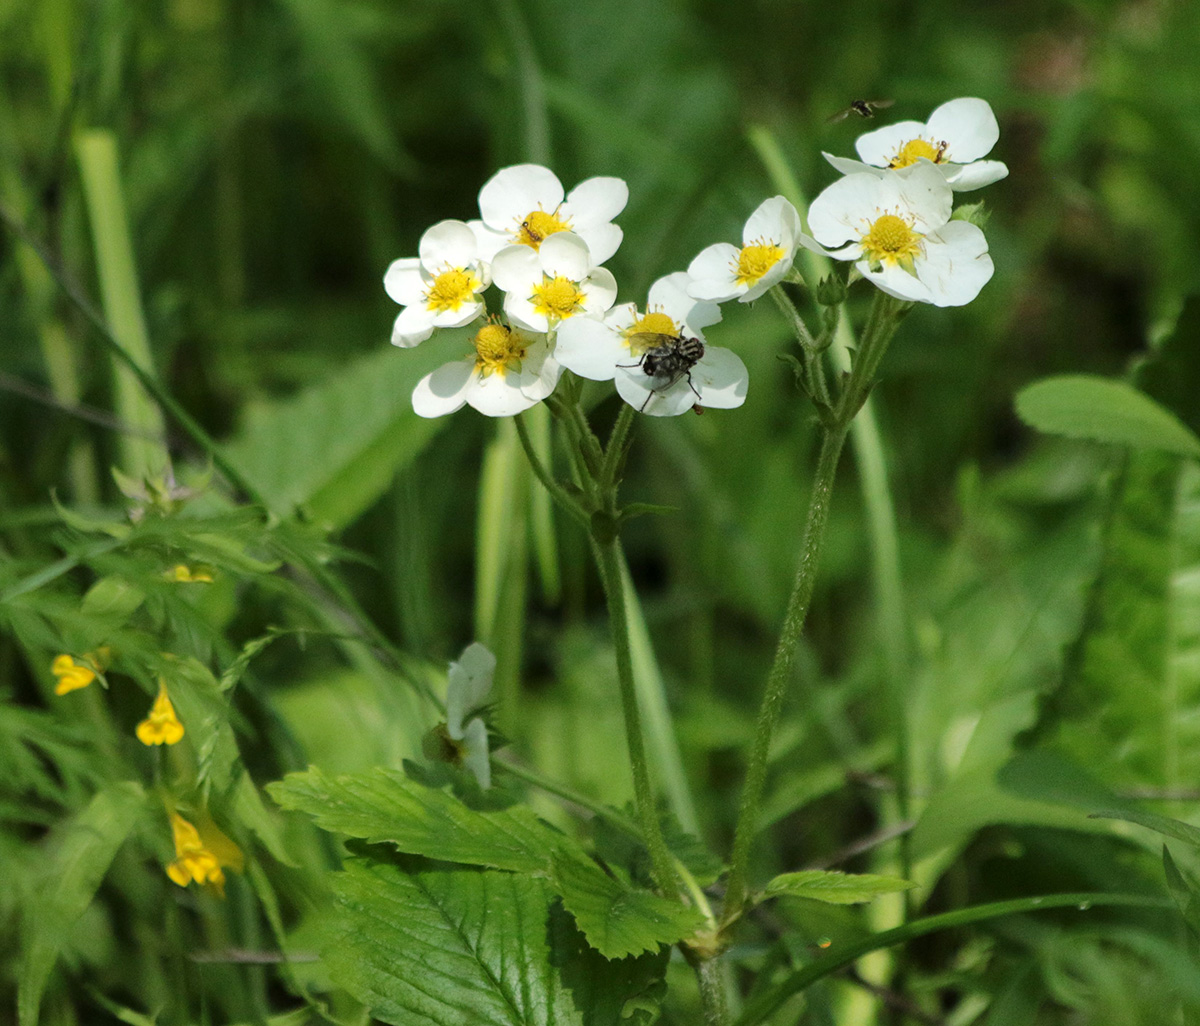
(609, 564)
(709, 975)
(557, 491)
(781, 669)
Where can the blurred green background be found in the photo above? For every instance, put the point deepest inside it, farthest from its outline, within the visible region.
(276, 155)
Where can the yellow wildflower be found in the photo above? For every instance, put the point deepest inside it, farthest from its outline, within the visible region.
(74, 674)
(184, 574)
(202, 856)
(162, 726)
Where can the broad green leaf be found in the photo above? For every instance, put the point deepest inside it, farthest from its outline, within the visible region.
(385, 805)
(336, 446)
(833, 887)
(1164, 825)
(1100, 410)
(1050, 777)
(75, 866)
(424, 945)
(617, 919)
(112, 597)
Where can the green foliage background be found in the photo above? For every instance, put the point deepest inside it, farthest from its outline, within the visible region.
(274, 156)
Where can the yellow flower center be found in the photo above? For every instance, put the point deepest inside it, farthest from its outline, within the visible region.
(914, 150)
(451, 289)
(162, 726)
(891, 240)
(537, 227)
(498, 349)
(640, 335)
(557, 298)
(756, 260)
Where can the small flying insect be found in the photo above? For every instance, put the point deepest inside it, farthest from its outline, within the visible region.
(666, 358)
(863, 108)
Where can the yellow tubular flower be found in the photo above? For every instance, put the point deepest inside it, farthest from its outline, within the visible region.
(201, 859)
(72, 675)
(162, 726)
(184, 574)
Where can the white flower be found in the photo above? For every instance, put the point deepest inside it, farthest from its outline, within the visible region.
(898, 229)
(440, 288)
(524, 205)
(550, 284)
(956, 136)
(626, 346)
(722, 271)
(468, 683)
(507, 372)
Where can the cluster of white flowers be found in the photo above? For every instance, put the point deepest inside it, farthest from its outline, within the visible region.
(544, 249)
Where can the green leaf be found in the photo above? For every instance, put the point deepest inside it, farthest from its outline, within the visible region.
(112, 597)
(422, 944)
(1183, 892)
(1180, 831)
(80, 858)
(336, 446)
(1050, 777)
(833, 887)
(1080, 406)
(384, 805)
(617, 919)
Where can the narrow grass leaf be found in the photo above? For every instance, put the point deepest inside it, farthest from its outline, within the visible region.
(833, 887)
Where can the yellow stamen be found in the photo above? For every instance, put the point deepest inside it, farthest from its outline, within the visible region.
(162, 726)
(538, 226)
(756, 260)
(557, 298)
(891, 240)
(647, 331)
(914, 150)
(498, 349)
(451, 289)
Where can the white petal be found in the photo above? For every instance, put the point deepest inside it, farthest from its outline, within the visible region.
(712, 273)
(721, 379)
(774, 275)
(775, 220)
(513, 193)
(975, 175)
(881, 145)
(603, 240)
(412, 326)
(522, 313)
(487, 242)
(447, 244)
(516, 269)
(956, 264)
(921, 191)
(847, 166)
(636, 387)
(475, 752)
(539, 372)
(403, 281)
(896, 281)
(465, 314)
(565, 254)
(968, 126)
(595, 201)
(599, 289)
(498, 395)
(590, 348)
(443, 391)
(468, 681)
(670, 294)
(845, 209)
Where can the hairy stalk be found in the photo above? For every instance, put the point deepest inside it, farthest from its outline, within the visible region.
(556, 491)
(712, 992)
(781, 669)
(609, 564)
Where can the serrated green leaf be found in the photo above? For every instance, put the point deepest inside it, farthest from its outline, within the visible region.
(1080, 406)
(78, 862)
(834, 887)
(336, 445)
(204, 713)
(422, 944)
(384, 805)
(618, 919)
